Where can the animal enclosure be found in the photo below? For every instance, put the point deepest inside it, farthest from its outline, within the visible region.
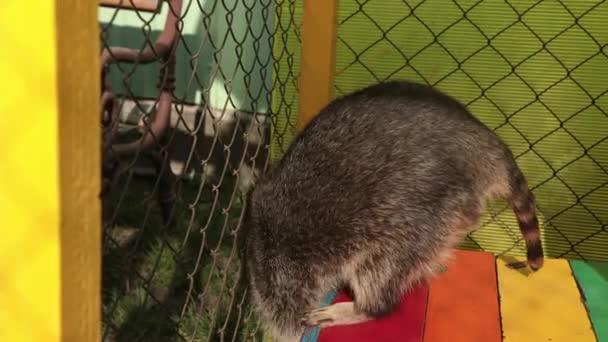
(212, 91)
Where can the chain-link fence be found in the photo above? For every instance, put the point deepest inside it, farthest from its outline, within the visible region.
(535, 71)
(198, 96)
(208, 96)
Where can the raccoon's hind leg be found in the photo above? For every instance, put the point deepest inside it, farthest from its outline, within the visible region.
(377, 285)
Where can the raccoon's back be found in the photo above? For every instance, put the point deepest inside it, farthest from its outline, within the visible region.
(386, 155)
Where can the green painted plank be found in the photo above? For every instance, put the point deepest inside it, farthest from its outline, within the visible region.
(593, 280)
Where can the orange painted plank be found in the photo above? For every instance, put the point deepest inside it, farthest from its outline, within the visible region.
(318, 62)
(463, 301)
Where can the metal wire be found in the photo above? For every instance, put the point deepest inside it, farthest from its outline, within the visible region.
(172, 210)
(172, 205)
(381, 40)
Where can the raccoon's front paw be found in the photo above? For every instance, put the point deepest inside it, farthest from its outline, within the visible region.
(321, 317)
(336, 314)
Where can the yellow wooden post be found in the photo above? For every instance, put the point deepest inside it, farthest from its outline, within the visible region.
(49, 171)
(319, 31)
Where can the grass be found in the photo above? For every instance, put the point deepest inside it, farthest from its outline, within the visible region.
(177, 283)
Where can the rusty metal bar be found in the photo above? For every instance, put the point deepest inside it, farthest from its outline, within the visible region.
(109, 111)
(161, 47)
(141, 5)
(107, 101)
(161, 122)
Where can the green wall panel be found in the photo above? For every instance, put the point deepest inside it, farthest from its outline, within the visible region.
(224, 55)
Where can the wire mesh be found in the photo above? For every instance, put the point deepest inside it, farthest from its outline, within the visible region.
(198, 96)
(532, 70)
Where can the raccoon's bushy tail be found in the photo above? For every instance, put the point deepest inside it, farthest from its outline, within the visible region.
(523, 204)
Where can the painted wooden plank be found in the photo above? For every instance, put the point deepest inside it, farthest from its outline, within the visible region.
(541, 306)
(405, 324)
(593, 280)
(79, 92)
(317, 68)
(463, 301)
(50, 255)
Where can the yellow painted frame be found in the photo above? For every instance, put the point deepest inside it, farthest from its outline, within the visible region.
(318, 63)
(50, 263)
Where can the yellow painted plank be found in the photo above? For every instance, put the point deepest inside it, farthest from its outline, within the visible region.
(49, 165)
(317, 68)
(80, 170)
(29, 174)
(541, 306)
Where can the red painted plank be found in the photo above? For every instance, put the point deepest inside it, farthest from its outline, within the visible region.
(463, 302)
(405, 324)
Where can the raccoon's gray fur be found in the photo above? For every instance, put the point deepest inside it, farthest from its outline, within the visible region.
(372, 196)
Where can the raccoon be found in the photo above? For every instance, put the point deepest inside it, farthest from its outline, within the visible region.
(373, 196)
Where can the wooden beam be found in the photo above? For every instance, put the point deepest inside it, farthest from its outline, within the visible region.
(319, 31)
(49, 168)
(80, 168)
